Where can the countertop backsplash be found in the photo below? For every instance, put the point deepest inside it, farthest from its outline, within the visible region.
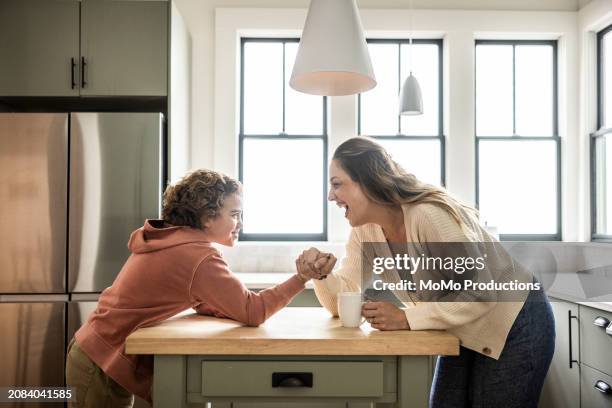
(273, 257)
(576, 270)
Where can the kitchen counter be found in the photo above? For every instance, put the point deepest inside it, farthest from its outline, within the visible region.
(297, 355)
(606, 306)
(293, 330)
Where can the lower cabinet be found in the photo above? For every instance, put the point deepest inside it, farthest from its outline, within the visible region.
(596, 339)
(302, 378)
(595, 358)
(299, 381)
(562, 385)
(586, 332)
(596, 388)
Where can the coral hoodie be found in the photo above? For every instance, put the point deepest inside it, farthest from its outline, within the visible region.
(171, 269)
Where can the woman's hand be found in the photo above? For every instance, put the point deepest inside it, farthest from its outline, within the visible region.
(385, 316)
(313, 264)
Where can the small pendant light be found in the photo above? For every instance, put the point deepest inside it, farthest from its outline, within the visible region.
(410, 100)
(332, 58)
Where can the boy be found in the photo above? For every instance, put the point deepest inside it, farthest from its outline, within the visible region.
(173, 267)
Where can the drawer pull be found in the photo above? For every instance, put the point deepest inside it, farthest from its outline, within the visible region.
(603, 387)
(601, 322)
(291, 380)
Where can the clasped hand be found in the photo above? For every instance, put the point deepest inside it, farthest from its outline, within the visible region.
(314, 264)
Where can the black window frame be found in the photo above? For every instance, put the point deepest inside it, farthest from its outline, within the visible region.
(558, 236)
(600, 132)
(399, 136)
(281, 136)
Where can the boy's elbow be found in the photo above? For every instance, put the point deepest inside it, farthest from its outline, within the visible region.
(255, 321)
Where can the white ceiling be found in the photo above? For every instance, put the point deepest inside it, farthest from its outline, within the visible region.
(528, 5)
(547, 5)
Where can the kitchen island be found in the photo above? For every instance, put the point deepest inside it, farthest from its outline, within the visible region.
(301, 356)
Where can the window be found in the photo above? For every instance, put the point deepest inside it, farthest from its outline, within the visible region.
(415, 142)
(601, 143)
(518, 149)
(282, 147)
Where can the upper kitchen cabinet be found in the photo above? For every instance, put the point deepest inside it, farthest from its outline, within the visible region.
(124, 47)
(87, 48)
(39, 47)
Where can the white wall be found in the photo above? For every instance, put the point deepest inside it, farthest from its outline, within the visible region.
(180, 95)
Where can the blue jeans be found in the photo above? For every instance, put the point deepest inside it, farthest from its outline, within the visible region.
(515, 380)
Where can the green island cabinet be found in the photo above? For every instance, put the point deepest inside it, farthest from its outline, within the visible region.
(581, 371)
(83, 48)
(299, 358)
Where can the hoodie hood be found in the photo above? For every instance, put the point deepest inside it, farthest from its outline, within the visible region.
(156, 235)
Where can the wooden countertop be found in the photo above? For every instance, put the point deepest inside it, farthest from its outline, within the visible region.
(292, 331)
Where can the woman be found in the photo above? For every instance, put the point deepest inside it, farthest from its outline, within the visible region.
(506, 346)
(173, 267)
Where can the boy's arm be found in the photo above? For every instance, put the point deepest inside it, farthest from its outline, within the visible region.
(214, 284)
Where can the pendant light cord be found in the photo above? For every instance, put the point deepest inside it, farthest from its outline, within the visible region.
(410, 21)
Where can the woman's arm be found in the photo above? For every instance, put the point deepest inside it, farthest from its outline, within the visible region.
(346, 278)
(215, 285)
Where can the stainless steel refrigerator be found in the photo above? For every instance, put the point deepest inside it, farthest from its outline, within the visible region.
(73, 186)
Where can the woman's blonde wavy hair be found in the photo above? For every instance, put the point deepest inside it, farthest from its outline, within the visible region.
(385, 182)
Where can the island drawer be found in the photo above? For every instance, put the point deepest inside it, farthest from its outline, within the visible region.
(595, 388)
(596, 339)
(234, 378)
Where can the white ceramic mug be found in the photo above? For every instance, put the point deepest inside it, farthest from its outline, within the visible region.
(349, 309)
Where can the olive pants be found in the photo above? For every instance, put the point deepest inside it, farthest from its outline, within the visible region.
(94, 389)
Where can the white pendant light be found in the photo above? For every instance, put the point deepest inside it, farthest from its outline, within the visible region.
(410, 100)
(332, 58)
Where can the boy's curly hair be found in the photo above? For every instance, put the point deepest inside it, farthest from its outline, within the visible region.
(200, 193)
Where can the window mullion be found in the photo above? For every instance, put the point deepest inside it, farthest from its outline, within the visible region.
(284, 90)
(399, 84)
(514, 89)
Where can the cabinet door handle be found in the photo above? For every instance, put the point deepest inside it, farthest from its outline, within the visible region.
(603, 387)
(601, 321)
(292, 380)
(83, 65)
(569, 327)
(72, 79)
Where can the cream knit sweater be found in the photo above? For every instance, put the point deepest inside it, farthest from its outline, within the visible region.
(480, 326)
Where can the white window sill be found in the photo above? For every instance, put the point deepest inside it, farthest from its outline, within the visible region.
(262, 280)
